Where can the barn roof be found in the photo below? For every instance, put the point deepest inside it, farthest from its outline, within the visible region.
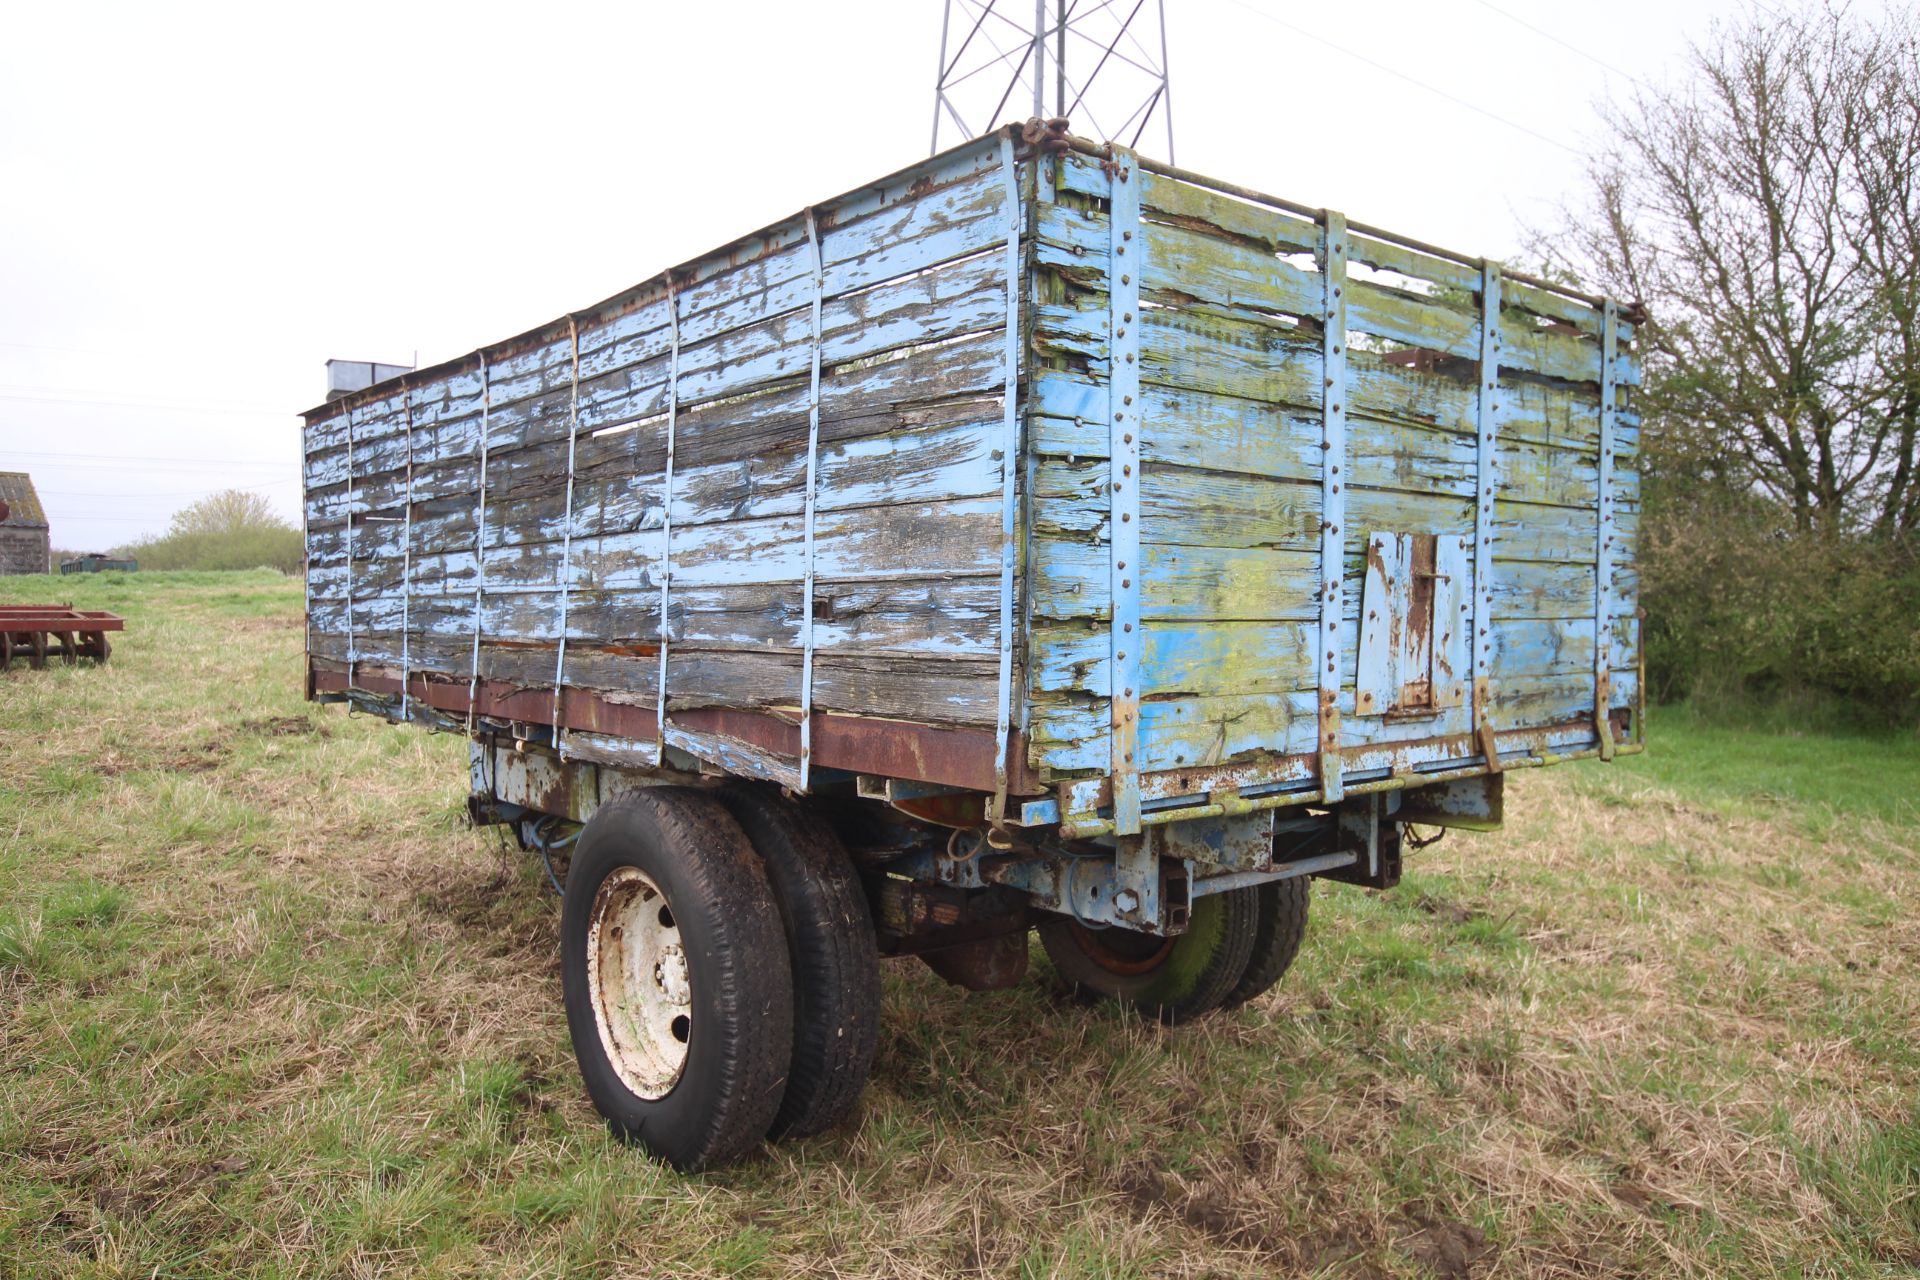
(23, 504)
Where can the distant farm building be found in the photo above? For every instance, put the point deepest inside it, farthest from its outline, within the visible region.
(24, 543)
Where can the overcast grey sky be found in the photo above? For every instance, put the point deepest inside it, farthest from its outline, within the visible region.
(200, 204)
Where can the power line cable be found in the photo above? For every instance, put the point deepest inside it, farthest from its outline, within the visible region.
(114, 459)
(1398, 74)
(204, 493)
(1564, 44)
(165, 406)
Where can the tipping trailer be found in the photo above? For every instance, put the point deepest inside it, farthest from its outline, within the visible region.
(1040, 537)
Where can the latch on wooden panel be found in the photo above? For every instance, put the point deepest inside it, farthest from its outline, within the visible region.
(1413, 624)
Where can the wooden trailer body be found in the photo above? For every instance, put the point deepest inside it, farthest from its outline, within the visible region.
(1112, 494)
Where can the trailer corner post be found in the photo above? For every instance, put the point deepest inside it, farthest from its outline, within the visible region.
(1603, 541)
(566, 548)
(480, 541)
(351, 653)
(1333, 503)
(1009, 456)
(1124, 428)
(406, 571)
(666, 516)
(813, 470)
(1485, 489)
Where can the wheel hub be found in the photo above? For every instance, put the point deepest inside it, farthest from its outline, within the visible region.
(640, 985)
(1121, 951)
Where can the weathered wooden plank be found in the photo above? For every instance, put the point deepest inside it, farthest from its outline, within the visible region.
(925, 389)
(1541, 589)
(1180, 658)
(873, 229)
(1199, 428)
(1183, 204)
(923, 689)
(1185, 266)
(954, 538)
(1068, 579)
(957, 618)
(1217, 213)
(1525, 531)
(1064, 730)
(914, 388)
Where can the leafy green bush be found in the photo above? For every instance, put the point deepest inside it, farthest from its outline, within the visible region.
(230, 530)
(1741, 605)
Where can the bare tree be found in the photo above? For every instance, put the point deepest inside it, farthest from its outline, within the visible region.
(1767, 211)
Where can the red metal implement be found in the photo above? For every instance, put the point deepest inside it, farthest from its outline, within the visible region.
(40, 631)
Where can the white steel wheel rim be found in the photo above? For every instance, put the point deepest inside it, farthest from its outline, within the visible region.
(637, 977)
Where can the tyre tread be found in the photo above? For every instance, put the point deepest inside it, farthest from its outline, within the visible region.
(1280, 928)
(835, 962)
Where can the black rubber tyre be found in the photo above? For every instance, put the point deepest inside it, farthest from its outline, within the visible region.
(1280, 924)
(1172, 979)
(831, 950)
(738, 990)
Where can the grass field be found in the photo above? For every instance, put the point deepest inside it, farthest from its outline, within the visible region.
(267, 1008)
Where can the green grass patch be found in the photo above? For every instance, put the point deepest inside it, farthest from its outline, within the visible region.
(268, 1009)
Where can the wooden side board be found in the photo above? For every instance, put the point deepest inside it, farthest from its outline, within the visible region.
(634, 479)
(1231, 485)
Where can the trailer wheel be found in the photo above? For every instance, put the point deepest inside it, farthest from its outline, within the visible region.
(1280, 924)
(678, 994)
(831, 949)
(1174, 979)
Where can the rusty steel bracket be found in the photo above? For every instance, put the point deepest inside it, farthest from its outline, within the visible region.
(1472, 804)
(1134, 889)
(1489, 746)
(1230, 842)
(1370, 830)
(1333, 503)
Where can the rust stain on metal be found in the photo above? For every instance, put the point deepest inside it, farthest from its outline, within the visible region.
(896, 748)
(986, 964)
